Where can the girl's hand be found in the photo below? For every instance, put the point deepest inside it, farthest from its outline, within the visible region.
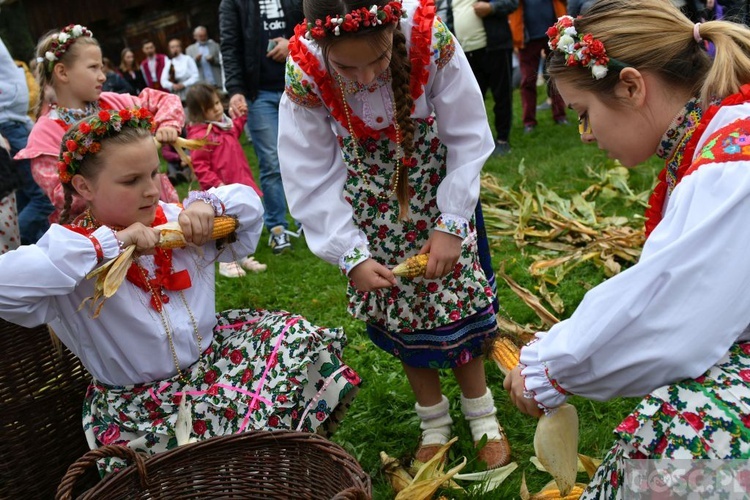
(444, 249)
(237, 106)
(371, 275)
(197, 223)
(167, 135)
(514, 384)
(143, 237)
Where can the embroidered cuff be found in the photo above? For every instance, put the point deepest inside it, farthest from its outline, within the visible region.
(538, 382)
(354, 257)
(206, 197)
(453, 224)
(110, 245)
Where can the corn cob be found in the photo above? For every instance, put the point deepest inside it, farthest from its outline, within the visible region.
(171, 235)
(506, 354)
(413, 266)
(394, 472)
(556, 446)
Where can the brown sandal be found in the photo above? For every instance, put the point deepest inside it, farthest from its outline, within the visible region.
(496, 452)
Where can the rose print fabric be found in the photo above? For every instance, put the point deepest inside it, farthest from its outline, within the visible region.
(703, 418)
(264, 370)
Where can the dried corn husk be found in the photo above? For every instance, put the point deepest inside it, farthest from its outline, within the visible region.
(550, 492)
(397, 476)
(556, 445)
(430, 476)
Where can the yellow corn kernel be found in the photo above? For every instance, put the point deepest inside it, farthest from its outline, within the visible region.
(413, 266)
(171, 236)
(506, 354)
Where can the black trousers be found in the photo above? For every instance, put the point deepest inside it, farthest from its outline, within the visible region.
(493, 70)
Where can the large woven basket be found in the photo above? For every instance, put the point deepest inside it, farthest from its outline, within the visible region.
(41, 397)
(256, 464)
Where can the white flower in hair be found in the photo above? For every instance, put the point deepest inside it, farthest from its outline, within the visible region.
(63, 37)
(567, 42)
(77, 30)
(374, 10)
(50, 56)
(599, 71)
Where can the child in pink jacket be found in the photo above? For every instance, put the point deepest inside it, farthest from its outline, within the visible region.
(222, 160)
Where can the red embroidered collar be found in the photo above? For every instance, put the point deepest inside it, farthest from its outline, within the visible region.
(654, 212)
(419, 54)
(164, 276)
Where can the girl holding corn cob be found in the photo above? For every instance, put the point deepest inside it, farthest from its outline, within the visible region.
(674, 327)
(167, 369)
(70, 64)
(381, 162)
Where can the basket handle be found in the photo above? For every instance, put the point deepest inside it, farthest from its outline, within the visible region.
(79, 467)
(352, 493)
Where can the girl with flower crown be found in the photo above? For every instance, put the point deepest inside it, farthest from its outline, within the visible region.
(70, 64)
(674, 327)
(383, 134)
(167, 369)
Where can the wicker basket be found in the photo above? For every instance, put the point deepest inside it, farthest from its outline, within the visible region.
(256, 464)
(41, 397)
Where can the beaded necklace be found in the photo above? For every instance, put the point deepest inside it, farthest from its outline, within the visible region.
(70, 116)
(355, 147)
(165, 323)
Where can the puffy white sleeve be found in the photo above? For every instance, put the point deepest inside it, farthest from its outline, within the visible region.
(669, 317)
(314, 172)
(33, 275)
(462, 124)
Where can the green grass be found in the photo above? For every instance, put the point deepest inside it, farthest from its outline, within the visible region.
(382, 417)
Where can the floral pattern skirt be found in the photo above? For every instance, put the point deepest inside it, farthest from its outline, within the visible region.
(703, 418)
(10, 238)
(264, 370)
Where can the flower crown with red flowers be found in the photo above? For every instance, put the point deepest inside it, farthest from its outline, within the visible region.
(389, 13)
(85, 138)
(580, 50)
(61, 42)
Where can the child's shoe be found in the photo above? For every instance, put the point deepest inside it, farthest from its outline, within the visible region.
(253, 265)
(436, 429)
(480, 412)
(279, 240)
(231, 270)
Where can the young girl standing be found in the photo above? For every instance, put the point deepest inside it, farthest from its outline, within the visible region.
(158, 343)
(70, 63)
(222, 160)
(674, 327)
(383, 135)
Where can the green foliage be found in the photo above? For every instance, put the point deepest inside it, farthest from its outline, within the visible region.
(382, 416)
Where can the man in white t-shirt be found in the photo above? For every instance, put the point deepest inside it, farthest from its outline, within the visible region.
(180, 72)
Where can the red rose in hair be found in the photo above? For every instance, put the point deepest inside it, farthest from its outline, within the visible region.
(596, 49)
(71, 145)
(143, 113)
(104, 116)
(125, 115)
(318, 32)
(552, 32)
(95, 147)
(85, 128)
(67, 158)
(62, 167)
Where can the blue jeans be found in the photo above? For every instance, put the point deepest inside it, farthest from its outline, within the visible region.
(34, 207)
(263, 127)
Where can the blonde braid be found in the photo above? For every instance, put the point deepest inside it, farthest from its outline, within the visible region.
(400, 67)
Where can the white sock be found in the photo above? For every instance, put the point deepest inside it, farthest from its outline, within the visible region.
(436, 422)
(480, 412)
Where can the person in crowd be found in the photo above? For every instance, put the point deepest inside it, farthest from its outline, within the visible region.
(254, 46)
(207, 56)
(114, 81)
(153, 65)
(180, 71)
(130, 71)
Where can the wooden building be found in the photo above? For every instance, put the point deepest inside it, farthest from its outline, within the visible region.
(123, 23)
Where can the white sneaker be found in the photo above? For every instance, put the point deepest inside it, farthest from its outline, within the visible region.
(231, 270)
(253, 265)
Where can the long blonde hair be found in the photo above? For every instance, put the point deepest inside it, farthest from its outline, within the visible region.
(653, 35)
(45, 71)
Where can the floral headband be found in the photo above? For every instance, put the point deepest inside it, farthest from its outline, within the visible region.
(61, 42)
(580, 50)
(389, 13)
(86, 139)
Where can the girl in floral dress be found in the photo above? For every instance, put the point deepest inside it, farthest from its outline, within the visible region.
(674, 327)
(383, 134)
(70, 65)
(167, 368)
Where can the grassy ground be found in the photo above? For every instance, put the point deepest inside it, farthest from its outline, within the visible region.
(382, 416)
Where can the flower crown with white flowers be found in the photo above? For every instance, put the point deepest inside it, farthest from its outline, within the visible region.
(579, 50)
(389, 13)
(61, 42)
(85, 138)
